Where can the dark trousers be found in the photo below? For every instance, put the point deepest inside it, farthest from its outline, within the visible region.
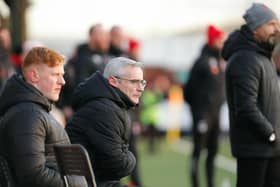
(258, 172)
(207, 140)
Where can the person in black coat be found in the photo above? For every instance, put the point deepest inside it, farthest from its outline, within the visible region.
(28, 131)
(101, 122)
(88, 58)
(254, 99)
(204, 91)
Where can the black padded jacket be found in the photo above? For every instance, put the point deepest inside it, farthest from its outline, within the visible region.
(253, 96)
(101, 123)
(27, 135)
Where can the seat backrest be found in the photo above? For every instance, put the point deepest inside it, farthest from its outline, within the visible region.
(6, 179)
(73, 159)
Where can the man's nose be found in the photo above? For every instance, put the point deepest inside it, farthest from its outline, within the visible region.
(62, 80)
(141, 88)
(277, 28)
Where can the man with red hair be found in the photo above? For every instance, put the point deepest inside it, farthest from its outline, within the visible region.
(28, 132)
(204, 92)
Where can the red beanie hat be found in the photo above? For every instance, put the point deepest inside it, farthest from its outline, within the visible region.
(213, 33)
(132, 44)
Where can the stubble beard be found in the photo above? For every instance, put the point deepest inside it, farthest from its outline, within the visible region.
(272, 40)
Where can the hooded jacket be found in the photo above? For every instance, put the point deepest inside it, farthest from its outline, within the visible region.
(101, 124)
(83, 64)
(28, 133)
(253, 96)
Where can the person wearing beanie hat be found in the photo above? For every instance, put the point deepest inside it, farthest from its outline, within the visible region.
(257, 15)
(204, 92)
(253, 98)
(134, 47)
(214, 33)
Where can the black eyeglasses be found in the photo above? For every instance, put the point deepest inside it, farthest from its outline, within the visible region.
(143, 83)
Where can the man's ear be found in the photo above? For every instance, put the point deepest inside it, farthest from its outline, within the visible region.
(32, 75)
(254, 32)
(112, 81)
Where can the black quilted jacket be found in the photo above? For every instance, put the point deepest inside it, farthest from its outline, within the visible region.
(253, 96)
(27, 135)
(102, 125)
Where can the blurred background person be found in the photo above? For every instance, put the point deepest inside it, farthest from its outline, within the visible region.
(87, 58)
(6, 66)
(17, 57)
(134, 48)
(92, 56)
(204, 91)
(117, 42)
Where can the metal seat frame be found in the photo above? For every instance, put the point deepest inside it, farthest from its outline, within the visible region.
(73, 159)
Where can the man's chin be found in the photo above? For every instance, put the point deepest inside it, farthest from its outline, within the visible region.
(53, 99)
(135, 101)
(272, 41)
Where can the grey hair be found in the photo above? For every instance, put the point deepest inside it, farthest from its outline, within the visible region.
(116, 66)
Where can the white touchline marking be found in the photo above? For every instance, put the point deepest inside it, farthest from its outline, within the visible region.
(225, 163)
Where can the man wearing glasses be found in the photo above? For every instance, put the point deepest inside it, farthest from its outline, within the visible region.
(101, 122)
